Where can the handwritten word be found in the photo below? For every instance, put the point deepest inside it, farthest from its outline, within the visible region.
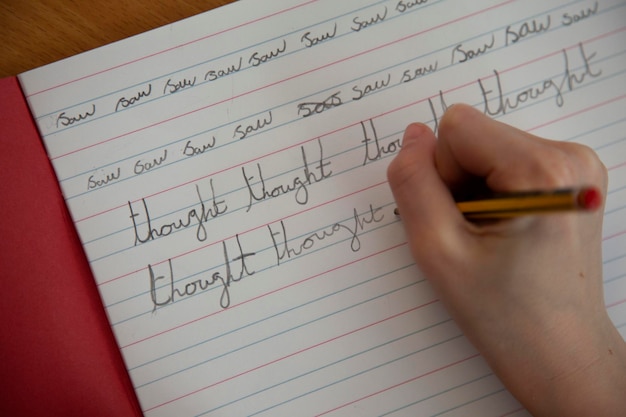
(531, 93)
(463, 55)
(369, 88)
(242, 132)
(195, 216)
(378, 150)
(403, 6)
(569, 79)
(213, 75)
(286, 249)
(70, 120)
(172, 87)
(360, 24)
(411, 74)
(92, 182)
(225, 279)
(141, 167)
(309, 40)
(311, 108)
(191, 150)
(126, 102)
(513, 35)
(583, 14)
(298, 184)
(257, 58)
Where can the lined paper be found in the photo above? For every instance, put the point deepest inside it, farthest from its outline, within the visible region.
(226, 175)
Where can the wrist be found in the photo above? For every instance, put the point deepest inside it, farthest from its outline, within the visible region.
(579, 370)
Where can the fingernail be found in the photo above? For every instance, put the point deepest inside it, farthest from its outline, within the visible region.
(413, 132)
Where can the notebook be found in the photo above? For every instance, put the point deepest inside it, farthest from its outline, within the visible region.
(226, 177)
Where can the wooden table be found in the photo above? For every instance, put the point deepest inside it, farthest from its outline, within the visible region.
(35, 32)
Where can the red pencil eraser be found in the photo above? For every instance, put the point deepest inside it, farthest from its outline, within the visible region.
(590, 198)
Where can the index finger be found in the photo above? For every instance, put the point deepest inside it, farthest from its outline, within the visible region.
(472, 147)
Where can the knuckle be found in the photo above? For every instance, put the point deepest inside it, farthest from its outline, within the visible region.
(587, 164)
(454, 118)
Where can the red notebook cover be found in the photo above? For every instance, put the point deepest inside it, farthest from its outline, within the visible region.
(58, 355)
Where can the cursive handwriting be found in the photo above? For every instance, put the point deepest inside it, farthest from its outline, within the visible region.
(531, 27)
(192, 150)
(462, 54)
(170, 292)
(286, 249)
(93, 182)
(373, 149)
(242, 132)
(260, 191)
(195, 217)
(309, 40)
(310, 108)
(66, 120)
(444, 107)
(258, 58)
(141, 167)
(213, 75)
(508, 103)
(413, 73)
(172, 87)
(403, 6)
(570, 79)
(569, 19)
(370, 88)
(360, 24)
(126, 102)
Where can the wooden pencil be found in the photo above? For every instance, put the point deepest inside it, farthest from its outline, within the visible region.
(514, 204)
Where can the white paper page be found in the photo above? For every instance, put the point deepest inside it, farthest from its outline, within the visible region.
(226, 175)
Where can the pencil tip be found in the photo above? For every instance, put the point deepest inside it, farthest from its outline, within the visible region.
(396, 211)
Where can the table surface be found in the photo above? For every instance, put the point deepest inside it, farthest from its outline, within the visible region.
(34, 32)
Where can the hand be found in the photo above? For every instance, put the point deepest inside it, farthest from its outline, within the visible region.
(527, 291)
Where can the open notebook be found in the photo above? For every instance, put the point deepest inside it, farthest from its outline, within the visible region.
(226, 175)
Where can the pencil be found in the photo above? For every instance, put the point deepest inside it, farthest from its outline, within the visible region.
(514, 204)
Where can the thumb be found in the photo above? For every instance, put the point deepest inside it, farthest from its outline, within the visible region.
(425, 204)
